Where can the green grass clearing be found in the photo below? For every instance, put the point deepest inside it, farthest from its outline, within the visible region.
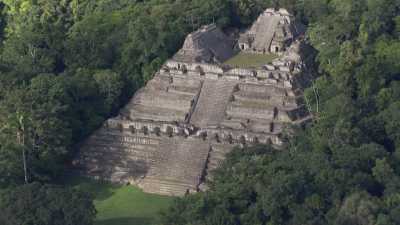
(250, 60)
(121, 204)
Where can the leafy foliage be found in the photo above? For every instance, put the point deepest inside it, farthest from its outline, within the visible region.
(46, 205)
(342, 168)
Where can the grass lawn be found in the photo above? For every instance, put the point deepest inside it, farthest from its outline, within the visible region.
(250, 60)
(123, 205)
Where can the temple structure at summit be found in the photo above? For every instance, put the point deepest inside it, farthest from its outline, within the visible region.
(273, 32)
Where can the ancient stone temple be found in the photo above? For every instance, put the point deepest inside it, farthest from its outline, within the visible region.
(273, 31)
(207, 45)
(180, 126)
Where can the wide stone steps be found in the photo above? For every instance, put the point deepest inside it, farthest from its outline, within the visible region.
(166, 100)
(112, 134)
(97, 146)
(183, 91)
(217, 155)
(191, 176)
(211, 106)
(182, 169)
(212, 165)
(172, 187)
(157, 113)
(120, 156)
(265, 33)
(185, 161)
(110, 167)
(117, 158)
(126, 147)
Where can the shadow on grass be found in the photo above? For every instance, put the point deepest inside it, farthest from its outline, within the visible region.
(126, 221)
(100, 190)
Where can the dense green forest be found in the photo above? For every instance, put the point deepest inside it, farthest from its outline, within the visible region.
(344, 168)
(67, 65)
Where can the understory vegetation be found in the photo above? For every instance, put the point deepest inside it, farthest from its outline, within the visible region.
(67, 65)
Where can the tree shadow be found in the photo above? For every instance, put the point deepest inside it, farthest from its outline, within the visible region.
(100, 190)
(126, 221)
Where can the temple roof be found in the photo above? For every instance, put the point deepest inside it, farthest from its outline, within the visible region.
(208, 44)
(271, 25)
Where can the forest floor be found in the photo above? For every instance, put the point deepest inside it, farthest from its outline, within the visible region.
(250, 60)
(122, 204)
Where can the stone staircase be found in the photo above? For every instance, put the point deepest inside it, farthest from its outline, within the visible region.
(211, 106)
(118, 156)
(264, 29)
(161, 165)
(216, 156)
(181, 170)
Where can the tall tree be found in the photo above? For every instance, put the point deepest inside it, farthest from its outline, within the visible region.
(32, 121)
(35, 35)
(46, 205)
